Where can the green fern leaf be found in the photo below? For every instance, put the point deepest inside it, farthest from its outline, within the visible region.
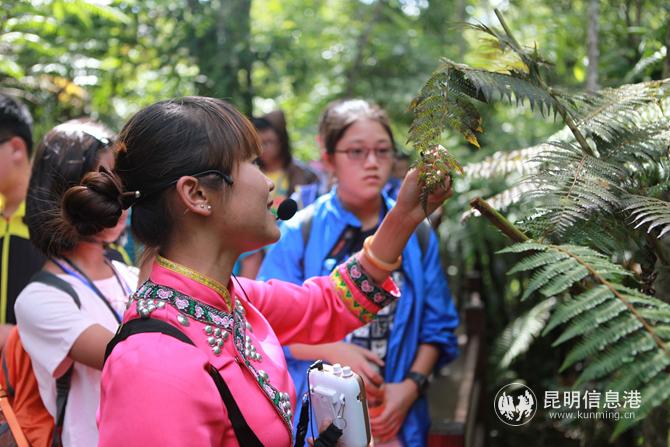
(576, 306)
(653, 395)
(565, 281)
(649, 212)
(640, 372)
(545, 275)
(536, 261)
(517, 337)
(585, 323)
(523, 247)
(617, 356)
(597, 340)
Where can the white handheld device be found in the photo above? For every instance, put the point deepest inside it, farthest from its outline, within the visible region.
(337, 394)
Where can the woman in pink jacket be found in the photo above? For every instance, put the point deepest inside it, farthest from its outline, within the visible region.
(187, 166)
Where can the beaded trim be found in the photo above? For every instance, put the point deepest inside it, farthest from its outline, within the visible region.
(280, 400)
(343, 290)
(195, 276)
(234, 323)
(376, 295)
(186, 305)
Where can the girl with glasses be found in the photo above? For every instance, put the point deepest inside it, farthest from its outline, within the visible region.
(397, 351)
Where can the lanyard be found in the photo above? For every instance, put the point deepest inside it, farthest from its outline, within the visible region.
(345, 243)
(81, 276)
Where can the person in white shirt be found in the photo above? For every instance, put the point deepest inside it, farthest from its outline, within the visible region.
(54, 331)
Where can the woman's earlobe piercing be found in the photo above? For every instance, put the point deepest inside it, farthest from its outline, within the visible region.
(209, 207)
(202, 205)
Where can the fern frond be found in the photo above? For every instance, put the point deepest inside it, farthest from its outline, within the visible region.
(620, 329)
(645, 368)
(618, 355)
(602, 337)
(501, 163)
(608, 112)
(653, 395)
(602, 272)
(446, 100)
(577, 305)
(524, 247)
(517, 337)
(654, 214)
(645, 143)
(503, 200)
(572, 187)
(549, 272)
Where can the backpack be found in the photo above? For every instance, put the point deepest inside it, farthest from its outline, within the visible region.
(11, 434)
(19, 382)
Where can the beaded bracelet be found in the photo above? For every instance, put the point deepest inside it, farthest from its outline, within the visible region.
(374, 260)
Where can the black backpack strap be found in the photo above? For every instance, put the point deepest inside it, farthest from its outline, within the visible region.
(305, 230)
(52, 280)
(10, 389)
(62, 393)
(63, 382)
(141, 325)
(306, 224)
(245, 436)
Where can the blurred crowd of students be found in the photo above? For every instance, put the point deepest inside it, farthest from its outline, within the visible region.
(343, 197)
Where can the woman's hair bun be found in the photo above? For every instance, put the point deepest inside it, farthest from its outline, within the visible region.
(95, 204)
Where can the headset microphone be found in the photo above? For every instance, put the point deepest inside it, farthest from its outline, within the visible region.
(286, 209)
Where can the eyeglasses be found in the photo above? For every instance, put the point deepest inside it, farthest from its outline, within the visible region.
(144, 194)
(227, 178)
(359, 154)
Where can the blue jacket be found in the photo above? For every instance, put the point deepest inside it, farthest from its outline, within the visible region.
(425, 312)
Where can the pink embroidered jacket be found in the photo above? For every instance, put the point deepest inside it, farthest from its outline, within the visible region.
(155, 389)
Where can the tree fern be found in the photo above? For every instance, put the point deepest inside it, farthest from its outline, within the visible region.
(600, 182)
(622, 330)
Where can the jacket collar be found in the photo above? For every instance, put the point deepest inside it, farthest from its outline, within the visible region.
(334, 206)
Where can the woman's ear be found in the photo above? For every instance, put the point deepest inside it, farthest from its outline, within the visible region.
(328, 161)
(193, 196)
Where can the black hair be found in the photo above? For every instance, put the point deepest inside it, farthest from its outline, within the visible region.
(158, 145)
(15, 120)
(276, 121)
(341, 114)
(63, 157)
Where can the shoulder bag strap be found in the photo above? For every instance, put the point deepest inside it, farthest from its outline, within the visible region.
(245, 436)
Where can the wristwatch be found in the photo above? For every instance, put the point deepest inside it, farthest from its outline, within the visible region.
(420, 380)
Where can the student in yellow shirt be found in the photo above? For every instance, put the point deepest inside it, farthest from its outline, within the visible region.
(19, 259)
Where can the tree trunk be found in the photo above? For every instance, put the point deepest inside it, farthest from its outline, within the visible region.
(222, 50)
(592, 43)
(361, 44)
(235, 58)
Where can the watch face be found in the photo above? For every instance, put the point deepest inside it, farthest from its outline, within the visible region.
(420, 380)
